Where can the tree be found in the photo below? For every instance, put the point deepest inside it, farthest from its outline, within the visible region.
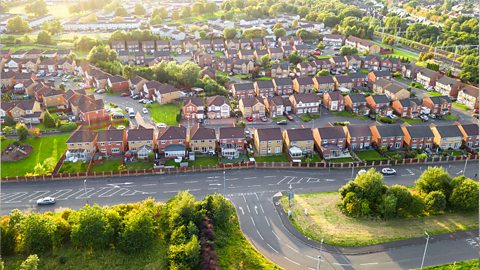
(465, 195)
(189, 73)
(8, 120)
(138, 233)
(38, 8)
(22, 131)
(265, 61)
(85, 43)
(346, 50)
(435, 202)
(91, 228)
(320, 45)
(53, 27)
(434, 179)
(8, 239)
(388, 207)
(139, 10)
(161, 13)
(34, 132)
(121, 12)
(280, 32)
(323, 72)
(185, 256)
(37, 233)
(31, 263)
(294, 58)
(17, 25)
(44, 38)
(219, 210)
(101, 53)
(229, 33)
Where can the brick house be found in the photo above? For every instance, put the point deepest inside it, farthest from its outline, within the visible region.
(231, 141)
(391, 64)
(379, 104)
(447, 137)
(283, 86)
(418, 137)
(333, 101)
(141, 141)
(243, 90)
(470, 135)
(358, 79)
(118, 84)
(148, 46)
(330, 141)
(468, 96)
(343, 81)
(112, 141)
(264, 88)
(372, 62)
(81, 145)
(202, 139)
(373, 76)
(334, 40)
(299, 142)
(305, 103)
(194, 108)
(247, 55)
(440, 105)
(172, 141)
(390, 136)
(356, 104)
(268, 141)
(275, 106)
(427, 77)
(275, 53)
(304, 69)
(339, 63)
(353, 61)
(359, 137)
(321, 64)
(218, 107)
(396, 91)
(448, 86)
(252, 107)
(324, 83)
(303, 85)
(407, 108)
(243, 66)
(280, 70)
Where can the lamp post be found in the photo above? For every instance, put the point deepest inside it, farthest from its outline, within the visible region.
(425, 250)
(465, 167)
(353, 170)
(224, 187)
(319, 262)
(85, 189)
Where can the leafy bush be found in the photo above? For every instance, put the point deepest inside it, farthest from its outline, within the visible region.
(434, 179)
(465, 195)
(68, 127)
(37, 233)
(91, 228)
(435, 202)
(138, 233)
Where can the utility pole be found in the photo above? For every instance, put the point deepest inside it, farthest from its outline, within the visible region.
(465, 167)
(319, 262)
(85, 189)
(425, 251)
(224, 187)
(353, 169)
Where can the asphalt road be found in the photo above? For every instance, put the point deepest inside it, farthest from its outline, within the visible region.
(251, 192)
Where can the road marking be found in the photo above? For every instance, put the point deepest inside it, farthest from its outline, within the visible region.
(149, 185)
(216, 184)
(372, 263)
(241, 209)
(212, 188)
(459, 172)
(248, 208)
(311, 257)
(7, 195)
(272, 184)
(290, 181)
(60, 191)
(102, 188)
(103, 194)
(272, 248)
(257, 197)
(260, 235)
(261, 207)
(71, 195)
(195, 189)
(214, 177)
(126, 190)
(266, 219)
(256, 212)
(276, 235)
(231, 179)
(341, 264)
(253, 222)
(269, 176)
(316, 180)
(250, 177)
(292, 248)
(171, 183)
(16, 196)
(291, 260)
(244, 198)
(191, 182)
(284, 178)
(255, 186)
(172, 191)
(85, 192)
(410, 172)
(330, 180)
(32, 197)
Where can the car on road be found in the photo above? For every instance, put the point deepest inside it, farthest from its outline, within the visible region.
(124, 95)
(282, 122)
(362, 171)
(145, 110)
(51, 80)
(388, 171)
(372, 117)
(433, 116)
(46, 201)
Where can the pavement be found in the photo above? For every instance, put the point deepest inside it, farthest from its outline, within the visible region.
(251, 191)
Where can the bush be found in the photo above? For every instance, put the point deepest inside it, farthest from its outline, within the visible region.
(138, 233)
(68, 127)
(37, 232)
(7, 129)
(434, 179)
(7, 238)
(465, 195)
(435, 202)
(48, 120)
(22, 131)
(385, 119)
(91, 228)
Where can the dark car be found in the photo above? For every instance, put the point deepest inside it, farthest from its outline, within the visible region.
(289, 117)
(372, 117)
(282, 122)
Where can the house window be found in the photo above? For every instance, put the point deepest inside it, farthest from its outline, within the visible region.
(397, 145)
(115, 150)
(102, 143)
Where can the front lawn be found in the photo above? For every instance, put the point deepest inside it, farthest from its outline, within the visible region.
(107, 165)
(312, 159)
(416, 85)
(434, 94)
(341, 160)
(165, 113)
(73, 167)
(394, 155)
(326, 221)
(43, 148)
(277, 119)
(461, 106)
(364, 70)
(308, 117)
(370, 155)
(263, 78)
(219, 54)
(454, 153)
(349, 114)
(449, 117)
(139, 165)
(279, 158)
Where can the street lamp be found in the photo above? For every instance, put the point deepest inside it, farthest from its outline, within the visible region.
(465, 167)
(320, 256)
(425, 251)
(85, 189)
(224, 188)
(353, 169)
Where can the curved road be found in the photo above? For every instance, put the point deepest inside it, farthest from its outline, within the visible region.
(251, 191)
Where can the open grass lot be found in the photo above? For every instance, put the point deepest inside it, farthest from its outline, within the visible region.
(325, 220)
(164, 113)
(278, 158)
(461, 106)
(397, 52)
(341, 160)
(349, 114)
(43, 148)
(280, 118)
(465, 265)
(434, 94)
(415, 85)
(370, 155)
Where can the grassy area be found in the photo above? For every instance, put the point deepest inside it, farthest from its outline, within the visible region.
(312, 159)
(199, 18)
(108, 165)
(279, 158)
(43, 148)
(203, 161)
(454, 153)
(370, 155)
(416, 85)
(349, 114)
(465, 265)
(166, 113)
(242, 76)
(309, 117)
(341, 160)
(140, 165)
(264, 78)
(277, 119)
(397, 52)
(326, 221)
(434, 94)
(450, 117)
(461, 106)
(324, 56)
(393, 154)
(364, 70)
(219, 54)
(410, 121)
(73, 167)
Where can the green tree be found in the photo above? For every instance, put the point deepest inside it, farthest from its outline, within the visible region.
(139, 10)
(22, 131)
(294, 58)
(434, 179)
(435, 202)
(8, 239)
(280, 32)
(320, 45)
(160, 12)
(346, 50)
(44, 37)
(229, 33)
(37, 233)
(17, 25)
(323, 72)
(265, 61)
(185, 256)
(219, 210)
(7, 129)
(189, 73)
(101, 53)
(121, 12)
(465, 195)
(388, 206)
(85, 44)
(31, 263)
(38, 8)
(181, 210)
(91, 228)
(53, 27)
(138, 233)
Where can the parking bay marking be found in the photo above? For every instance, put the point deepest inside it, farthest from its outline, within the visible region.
(14, 198)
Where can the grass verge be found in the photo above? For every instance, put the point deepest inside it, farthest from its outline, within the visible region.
(164, 113)
(465, 265)
(434, 94)
(325, 220)
(461, 106)
(309, 117)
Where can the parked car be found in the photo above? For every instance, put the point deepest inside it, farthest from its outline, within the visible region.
(121, 127)
(264, 119)
(46, 201)
(99, 91)
(140, 101)
(161, 125)
(118, 115)
(424, 117)
(289, 117)
(372, 117)
(145, 110)
(124, 95)
(282, 122)
(433, 116)
(249, 118)
(388, 171)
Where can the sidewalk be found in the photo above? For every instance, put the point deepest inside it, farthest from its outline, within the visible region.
(370, 248)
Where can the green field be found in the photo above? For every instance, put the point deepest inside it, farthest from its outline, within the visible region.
(326, 221)
(43, 148)
(199, 18)
(370, 155)
(279, 158)
(450, 117)
(113, 165)
(166, 113)
(465, 265)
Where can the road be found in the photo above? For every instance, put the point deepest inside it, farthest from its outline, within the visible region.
(251, 192)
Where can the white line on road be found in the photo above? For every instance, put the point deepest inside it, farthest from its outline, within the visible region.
(255, 186)
(149, 185)
(257, 196)
(211, 180)
(172, 191)
(250, 177)
(13, 199)
(330, 180)
(171, 183)
(291, 260)
(212, 188)
(231, 179)
(191, 182)
(272, 184)
(253, 222)
(269, 176)
(341, 264)
(241, 209)
(32, 197)
(84, 194)
(71, 195)
(272, 248)
(292, 248)
(102, 188)
(284, 178)
(276, 235)
(311, 257)
(260, 235)
(244, 198)
(248, 208)
(256, 212)
(372, 263)
(59, 191)
(261, 207)
(103, 194)
(266, 219)
(193, 189)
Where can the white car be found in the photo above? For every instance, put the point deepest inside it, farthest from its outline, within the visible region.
(46, 201)
(145, 110)
(121, 127)
(362, 171)
(99, 91)
(161, 125)
(388, 171)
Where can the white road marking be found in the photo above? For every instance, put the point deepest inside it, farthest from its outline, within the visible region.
(266, 219)
(149, 185)
(126, 190)
(171, 183)
(102, 188)
(269, 176)
(231, 179)
(103, 194)
(291, 260)
(13, 199)
(272, 248)
(214, 177)
(372, 263)
(250, 177)
(260, 235)
(290, 181)
(256, 212)
(292, 248)
(276, 235)
(272, 184)
(313, 180)
(194, 189)
(248, 208)
(191, 182)
(261, 207)
(211, 180)
(253, 222)
(330, 180)
(60, 191)
(71, 195)
(342, 264)
(257, 197)
(33, 196)
(7, 195)
(311, 257)
(244, 198)
(284, 178)
(216, 184)
(84, 194)
(241, 209)
(212, 188)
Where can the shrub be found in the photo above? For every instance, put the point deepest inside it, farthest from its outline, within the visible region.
(22, 131)
(91, 228)
(465, 195)
(37, 233)
(68, 127)
(7, 129)
(8, 238)
(434, 179)
(138, 233)
(435, 202)
(48, 120)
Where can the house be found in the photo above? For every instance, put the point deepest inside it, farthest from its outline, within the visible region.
(353, 61)
(231, 141)
(268, 141)
(287, 50)
(252, 107)
(172, 141)
(190, 45)
(390, 136)
(202, 58)
(321, 64)
(395, 91)
(448, 86)
(447, 137)
(54, 98)
(264, 88)
(111, 141)
(258, 54)
(283, 86)
(330, 141)
(303, 85)
(359, 137)
(148, 46)
(226, 65)
(356, 104)
(299, 142)
(141, 142)
(218, 44)
(202, 140)
(391, 64)
(118, 45)
(245, 44)
(372, 62)
(231, 53)
(324, 83)
(379, 85)
(276, 53)
(418, 137)
(358, 79)
(242, 66)
(232, 44)
(333, 101)
(407, 108)
(177, 46)
(160, 92)
(194, 108)
(470, 135)
(440, 105)
(410, 70)
(339, 63)
(304, 69)
(280, 70)
(136, 84)
(218, 107)
(243, 90)
(26, 111)
(81, 145)
(373, 76)
(133, 46)
(333, 40)
(85, 107)
(275, 106)
(205, 45)
(468, 96)
(379, 104)
(305, 103)
(118, 84)
(362, 45)
(247, 54)
(428, 77)
(302, 49)
(343, 82)
(67, 66)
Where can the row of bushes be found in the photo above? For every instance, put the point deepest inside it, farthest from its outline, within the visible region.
(435, 192)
